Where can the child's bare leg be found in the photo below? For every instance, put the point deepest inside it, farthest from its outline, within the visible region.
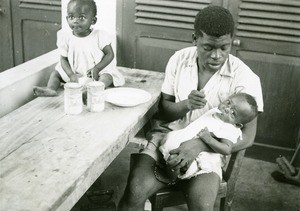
(52, 86)
(106, 79)
(54, 81)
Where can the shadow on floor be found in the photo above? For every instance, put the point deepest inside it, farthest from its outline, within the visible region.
(255, 190)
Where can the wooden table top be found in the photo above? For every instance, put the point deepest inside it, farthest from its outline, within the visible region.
(49, 159)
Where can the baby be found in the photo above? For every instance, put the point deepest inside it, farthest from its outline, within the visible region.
(85, 52)
(223, 123)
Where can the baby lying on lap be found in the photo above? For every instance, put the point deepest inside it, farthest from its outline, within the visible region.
(219, 128)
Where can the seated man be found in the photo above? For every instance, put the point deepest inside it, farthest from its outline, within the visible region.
(207, 66)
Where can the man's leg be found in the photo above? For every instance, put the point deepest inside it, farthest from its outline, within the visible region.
(141, 183)
(201, 191)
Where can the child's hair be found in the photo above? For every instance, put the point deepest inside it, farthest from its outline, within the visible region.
(214, 21)
(91, 3)
(253, 105)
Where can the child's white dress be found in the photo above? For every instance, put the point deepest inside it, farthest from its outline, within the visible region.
(84, 53)
(206, 161)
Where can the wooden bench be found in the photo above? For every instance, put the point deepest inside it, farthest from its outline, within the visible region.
(16, 83)
(49, 159)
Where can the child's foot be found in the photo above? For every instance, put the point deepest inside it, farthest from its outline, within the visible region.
(44, 92)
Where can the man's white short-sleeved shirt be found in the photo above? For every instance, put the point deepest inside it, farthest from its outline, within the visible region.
(181, 77)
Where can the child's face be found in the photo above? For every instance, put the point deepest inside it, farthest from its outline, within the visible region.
(80, 18)
(234, 109)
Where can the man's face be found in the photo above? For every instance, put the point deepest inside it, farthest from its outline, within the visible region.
(213, 51)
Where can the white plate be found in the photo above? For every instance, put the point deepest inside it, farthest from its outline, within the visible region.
(126, 97)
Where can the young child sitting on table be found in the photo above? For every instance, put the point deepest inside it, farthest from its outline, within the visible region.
(85, 52)
(223, 123)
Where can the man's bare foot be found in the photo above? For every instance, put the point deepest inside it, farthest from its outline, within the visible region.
(44, 92)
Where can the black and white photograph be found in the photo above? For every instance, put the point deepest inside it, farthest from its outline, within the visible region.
(149, 105)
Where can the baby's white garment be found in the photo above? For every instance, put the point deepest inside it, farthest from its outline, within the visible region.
(84, 53)
(206, 161)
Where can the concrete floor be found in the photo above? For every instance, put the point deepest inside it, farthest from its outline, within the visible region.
(255, 190)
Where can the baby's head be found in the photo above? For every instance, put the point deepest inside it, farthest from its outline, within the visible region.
(81, 14)
(238, 109)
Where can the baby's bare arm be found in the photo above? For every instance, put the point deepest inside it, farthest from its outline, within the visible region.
(67, 68)
(106, 60)
(222, 146)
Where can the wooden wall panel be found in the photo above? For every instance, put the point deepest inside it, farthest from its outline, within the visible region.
(280, 76)
(177, 14)
(35, 23)
(277, 21)
(156, 53)
(6, 36)
(43, 38)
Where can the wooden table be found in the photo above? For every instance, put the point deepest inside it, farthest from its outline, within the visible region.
(49, 159)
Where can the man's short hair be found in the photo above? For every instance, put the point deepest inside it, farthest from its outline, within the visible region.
(214, 21)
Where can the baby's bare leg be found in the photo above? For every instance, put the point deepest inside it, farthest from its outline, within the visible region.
(106, 79)
(52, 86)
(44, 92)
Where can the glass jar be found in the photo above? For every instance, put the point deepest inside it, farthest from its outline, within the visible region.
(73, 98)
(95, 96)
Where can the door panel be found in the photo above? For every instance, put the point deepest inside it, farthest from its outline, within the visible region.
(35, 24)
(151, 25)
(269, 35)
(155, 53)
(177, 14)
(280, 77)
(268, 26)
(42, 41)
(6, 50)
(277, 20)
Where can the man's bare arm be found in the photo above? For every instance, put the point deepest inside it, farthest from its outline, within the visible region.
(249, 133)
(171, 110)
